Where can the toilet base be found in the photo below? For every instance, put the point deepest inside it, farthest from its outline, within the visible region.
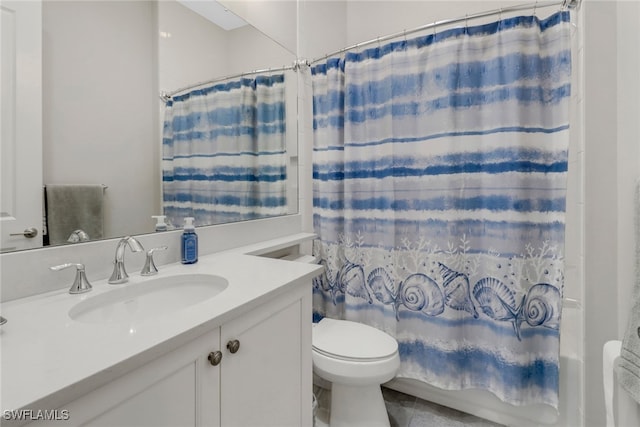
(357, 406)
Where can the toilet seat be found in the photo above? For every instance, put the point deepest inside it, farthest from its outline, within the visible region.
(352, 341)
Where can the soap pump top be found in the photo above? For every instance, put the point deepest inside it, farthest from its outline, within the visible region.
(188, 225)
(160, 224)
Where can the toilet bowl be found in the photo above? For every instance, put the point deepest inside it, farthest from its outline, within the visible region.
(356, 359)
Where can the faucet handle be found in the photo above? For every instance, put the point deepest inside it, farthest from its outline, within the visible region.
(80, 283)
(150, 268)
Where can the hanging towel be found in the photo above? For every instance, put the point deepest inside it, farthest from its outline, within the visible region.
(73, 207)
(629, 367)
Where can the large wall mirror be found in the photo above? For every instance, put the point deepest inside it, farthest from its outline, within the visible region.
(107, 129)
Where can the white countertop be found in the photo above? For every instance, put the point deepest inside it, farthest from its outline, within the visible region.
(48, 359)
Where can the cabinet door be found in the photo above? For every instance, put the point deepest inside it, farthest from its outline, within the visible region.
(181, 388)
(262, 384)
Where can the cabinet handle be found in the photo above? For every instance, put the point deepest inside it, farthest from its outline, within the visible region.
(215, 357)
(233, 346)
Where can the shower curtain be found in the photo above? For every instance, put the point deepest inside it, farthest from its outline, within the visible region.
(224, 152)
(439, 178)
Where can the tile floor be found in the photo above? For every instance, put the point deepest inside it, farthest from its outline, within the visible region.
(407, 411)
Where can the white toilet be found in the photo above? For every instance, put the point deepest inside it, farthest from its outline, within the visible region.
(356, 359)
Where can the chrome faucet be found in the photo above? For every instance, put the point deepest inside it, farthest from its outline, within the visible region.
(119, 274)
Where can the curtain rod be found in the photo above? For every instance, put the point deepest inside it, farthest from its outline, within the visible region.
(570, 4)
(165, 96)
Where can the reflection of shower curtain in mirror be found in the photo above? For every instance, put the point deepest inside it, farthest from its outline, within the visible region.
(224, 152)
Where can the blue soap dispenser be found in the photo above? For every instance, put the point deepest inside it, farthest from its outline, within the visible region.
(189, 246)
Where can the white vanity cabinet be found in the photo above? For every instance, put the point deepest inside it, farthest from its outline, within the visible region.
(265, 381)
(180, 388)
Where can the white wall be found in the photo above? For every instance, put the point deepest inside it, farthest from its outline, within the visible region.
(186, 38)
(600, 197)
(99, 104)
(628, 124)
(274, 17)
(323, 27)
(628, 172)
(612, 138)
(193, 49)
(249, 49)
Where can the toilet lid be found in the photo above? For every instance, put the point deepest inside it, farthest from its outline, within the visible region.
(351, 340)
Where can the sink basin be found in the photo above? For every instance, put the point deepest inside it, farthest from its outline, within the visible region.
(155, 297)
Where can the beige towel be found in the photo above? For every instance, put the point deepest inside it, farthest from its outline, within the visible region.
(73, 207)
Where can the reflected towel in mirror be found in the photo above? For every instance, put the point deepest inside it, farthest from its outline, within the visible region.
(72, 207)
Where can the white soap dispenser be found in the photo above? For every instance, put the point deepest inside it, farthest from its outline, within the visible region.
(161, 225)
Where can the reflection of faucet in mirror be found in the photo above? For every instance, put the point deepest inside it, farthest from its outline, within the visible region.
(78, 236)
(119, 274)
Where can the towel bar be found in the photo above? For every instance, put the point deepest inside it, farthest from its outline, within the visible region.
(104, 187)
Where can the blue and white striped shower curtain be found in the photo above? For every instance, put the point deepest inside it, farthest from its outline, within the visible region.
(439, 180)
(224, 152)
